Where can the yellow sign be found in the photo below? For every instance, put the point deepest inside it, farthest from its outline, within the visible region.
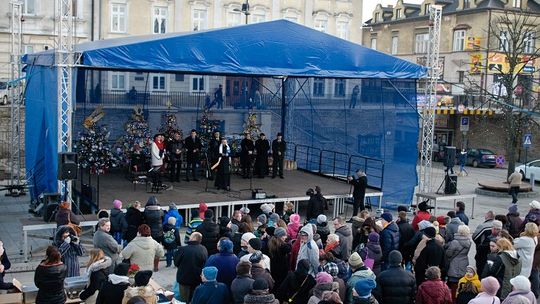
(476, 61)
(472, 43)
(498, 64)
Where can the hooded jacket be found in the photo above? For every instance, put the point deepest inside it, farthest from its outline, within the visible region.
(226, 262)
(70, 251)
(112, 291)
(373, 251)
(389, 239)
(173, 213)
(474, 280)
(153, 217)
(506, 266)
(345, 241)
(309, 251)
(142, 250)
(433, 292)
(118, 221)
(98, 272)
(452, 228)
(457, 256)
(525, 247)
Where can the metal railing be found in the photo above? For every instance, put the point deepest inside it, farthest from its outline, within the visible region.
(338, 164)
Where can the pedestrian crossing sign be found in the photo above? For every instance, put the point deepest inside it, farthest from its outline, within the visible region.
(527, 140)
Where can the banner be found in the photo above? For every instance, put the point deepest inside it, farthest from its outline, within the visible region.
(498, 64)
(472, 43)
(476, 62)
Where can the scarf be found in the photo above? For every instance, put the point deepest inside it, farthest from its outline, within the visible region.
(160, 145)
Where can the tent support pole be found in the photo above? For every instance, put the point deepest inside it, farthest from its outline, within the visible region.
(283, 106)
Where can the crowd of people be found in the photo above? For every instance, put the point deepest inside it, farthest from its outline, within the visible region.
(274, 257)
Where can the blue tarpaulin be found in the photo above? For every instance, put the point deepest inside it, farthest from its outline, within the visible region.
(275, 48)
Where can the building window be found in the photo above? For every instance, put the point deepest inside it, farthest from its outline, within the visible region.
(318, 87)
(178, 77)
(199, 19)
(118, 18)
(529, 41)
(159, 82)
(159, 24)
(197, 83)
(459, 40)
(421, 43)
(117, 81)
(321, 24)
(29, 7)
(516, 3)
(376, 19)
(398, 13)
(339, 88)
(466, 3)
(461, 76)
(504, 46)
(374, 43)
(234, 18)
(258, 16)
(427, 8)
(395, 41)
(342, 29)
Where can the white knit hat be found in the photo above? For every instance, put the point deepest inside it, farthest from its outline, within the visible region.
(521, 283)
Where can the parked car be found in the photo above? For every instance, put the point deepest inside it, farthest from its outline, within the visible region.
(5, 92)
(530, 167)
(481, 157)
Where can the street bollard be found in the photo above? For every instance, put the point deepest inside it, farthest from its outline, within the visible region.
(532, 180)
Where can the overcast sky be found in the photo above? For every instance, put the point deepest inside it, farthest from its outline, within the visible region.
(369, 6)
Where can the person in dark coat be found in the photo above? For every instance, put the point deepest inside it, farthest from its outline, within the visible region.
(278, 252)
(190, 260)
(65, 216)
(171, 240)
(98, 272)
(211, 291)
(193, 146)
(134, 219)
(213, 151)
(460, 212)
(112, 291)
(278, 155)
(246, 155)
(322, 228)
(406, 233)
(118, 222)
(260, 294)
(222, 167)
(297, 285)
(225, 261)
(431, 255)
(395, 284)
(315, 205)
(389, 238)
(175, 148)
(49, 278)
(243, 282)
(262, 146)
(70, 249)
(514, 221)
(359, 191)
(153, 217)
(5, 264)
(372, 250)
(209, 231)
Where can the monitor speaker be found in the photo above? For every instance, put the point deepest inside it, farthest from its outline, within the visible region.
(450, 184)
(67, 166)
(449, 156)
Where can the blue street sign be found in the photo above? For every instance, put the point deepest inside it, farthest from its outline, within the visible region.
(527, 140)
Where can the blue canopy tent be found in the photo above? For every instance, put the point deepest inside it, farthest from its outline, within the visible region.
(276, 48)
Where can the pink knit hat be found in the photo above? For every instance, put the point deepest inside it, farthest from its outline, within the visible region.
(117, 204)
(490, 285)
(323, 277)
(295, 218)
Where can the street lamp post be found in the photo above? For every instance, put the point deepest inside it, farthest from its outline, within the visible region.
(245, 10)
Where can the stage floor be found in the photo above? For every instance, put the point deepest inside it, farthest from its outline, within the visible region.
(117, 186)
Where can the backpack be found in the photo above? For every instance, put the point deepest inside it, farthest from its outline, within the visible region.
(169, 237)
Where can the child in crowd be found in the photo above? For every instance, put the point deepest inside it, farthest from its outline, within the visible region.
(294, 226)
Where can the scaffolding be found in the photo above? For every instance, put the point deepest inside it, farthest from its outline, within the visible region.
(428, 114)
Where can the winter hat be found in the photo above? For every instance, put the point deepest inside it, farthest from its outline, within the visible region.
(402, 208)
(224, 221)
(121, 269)
(424, 224)
(295, 218)
(331, 268)
(194, 213)
(226, 246)
(535, 204)
(490, 285)
(451, 214)
(172, 206)
(210, 273)
(423, 206)
(171, 220)
(245, 210)
(203, 207)
(274, 217)
(255, 243)
(521, 283)
(143, 277)
(280, 232)
(441, 220)
(152, 201)
(248, 236)
(497, 224)
(321, 219)
(262, 219)
(144, 230)
(513, 209)
(373, 237)
(323, 277)
(471, 267)
(256, 257)
(117, 204)
(267, 208)
(364, 286)
(355, 260)
(433, 273)
(430, 232)
(387, 216)
(395, 257)
(260, 284)
(243, 268)
(208, 214)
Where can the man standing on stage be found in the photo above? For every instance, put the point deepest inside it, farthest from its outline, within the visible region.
(213, 151)
(261, 161)
(246, 155)
(278, 154)
(175, 149)
(193, 146)
(359, 191)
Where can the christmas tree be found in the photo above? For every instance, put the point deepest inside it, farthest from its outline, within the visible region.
(137, 134)
(251, 126)
(169, 126)
(206, 127)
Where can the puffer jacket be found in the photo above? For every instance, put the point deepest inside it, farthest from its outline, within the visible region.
(141, 251)
(507, 265)
(50, 281)
(389, 239)
(146, 292)
(309, 251)
(345, 241)
(373, 251)
(118, 221)
(153, 217)
(134, 219)
(433, 292)
(525, 247)
(210, 235)
(457, 256)
(395, 285)
(464, 280)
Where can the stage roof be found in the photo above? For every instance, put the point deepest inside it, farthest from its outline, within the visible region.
(274, 48)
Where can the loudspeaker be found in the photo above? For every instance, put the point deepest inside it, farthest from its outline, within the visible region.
(449, 156)
(450, 184)
(67, 166)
